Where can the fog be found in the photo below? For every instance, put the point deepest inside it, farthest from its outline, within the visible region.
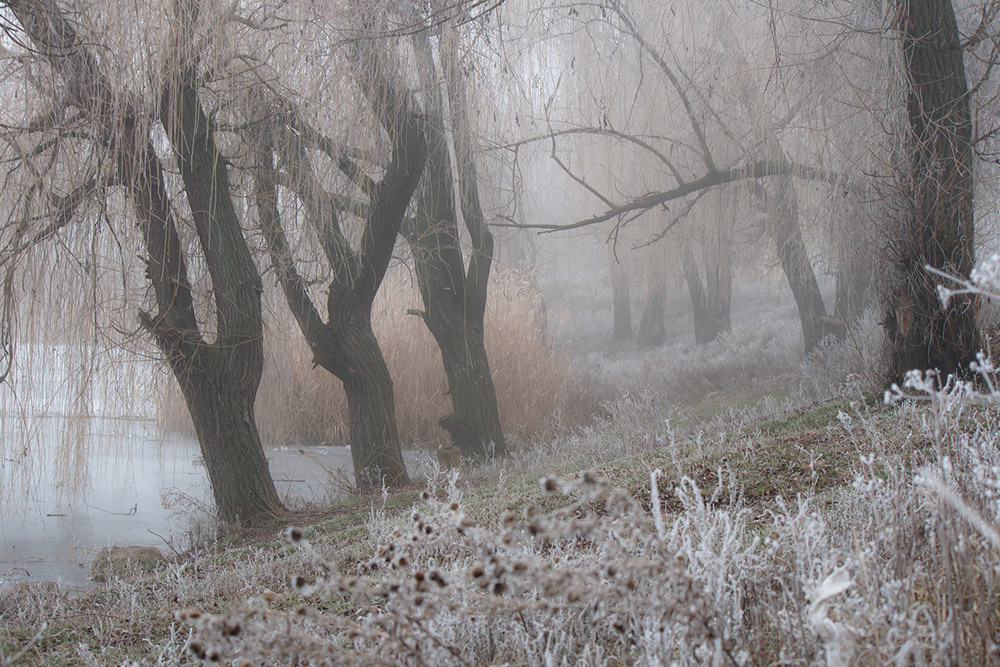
(254, 252)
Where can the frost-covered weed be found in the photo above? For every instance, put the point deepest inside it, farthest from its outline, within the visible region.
(898, 566)
(881, 573)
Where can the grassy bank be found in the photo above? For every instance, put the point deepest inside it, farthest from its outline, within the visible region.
(797, 537)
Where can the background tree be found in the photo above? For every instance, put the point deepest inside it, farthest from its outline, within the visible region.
(720, 130)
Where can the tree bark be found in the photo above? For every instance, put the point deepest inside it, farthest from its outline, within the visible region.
(939, 227)
(220, 380)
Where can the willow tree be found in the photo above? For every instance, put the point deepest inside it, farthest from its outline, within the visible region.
(453, 294)
(87, 115)
(939, 229)
(295, 162)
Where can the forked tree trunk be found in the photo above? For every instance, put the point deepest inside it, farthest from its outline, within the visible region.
(344, 343)
(454, 295)
(219, 379)
(473, 424)
(940, 231)
(786, 232)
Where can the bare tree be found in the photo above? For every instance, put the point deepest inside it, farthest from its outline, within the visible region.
(287, 147)
(218, 377)
(454, 296)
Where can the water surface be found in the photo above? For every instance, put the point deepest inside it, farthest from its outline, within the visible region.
(128, 487)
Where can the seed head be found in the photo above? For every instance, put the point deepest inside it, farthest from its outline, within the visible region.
(197, 649)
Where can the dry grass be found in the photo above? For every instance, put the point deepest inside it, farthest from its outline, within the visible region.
(814, 538)
(302, 404)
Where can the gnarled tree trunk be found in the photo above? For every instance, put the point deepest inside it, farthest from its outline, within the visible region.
(454, 296)
(939, 228)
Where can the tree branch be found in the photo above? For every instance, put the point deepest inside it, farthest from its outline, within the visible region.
(669, 73)
(760, 169)
(269, 218)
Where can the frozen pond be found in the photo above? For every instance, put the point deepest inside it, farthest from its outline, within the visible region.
(132, 488)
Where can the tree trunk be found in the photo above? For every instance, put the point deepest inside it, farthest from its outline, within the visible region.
(454, 295)
(652, 330)
(221, 405)
(474, 423)
(620, 301)
(220, 379)
(855, 276)
(719, 275)
(786, 231)
(696, 290)
(711, 307)
(939, 230)
(345, 345)
(353, 355)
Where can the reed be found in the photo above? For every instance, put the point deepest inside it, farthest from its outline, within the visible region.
(299, 403)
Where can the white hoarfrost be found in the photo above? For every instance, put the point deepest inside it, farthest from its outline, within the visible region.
(838, 638)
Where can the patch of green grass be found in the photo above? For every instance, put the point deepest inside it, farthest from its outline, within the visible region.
(811, 419)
